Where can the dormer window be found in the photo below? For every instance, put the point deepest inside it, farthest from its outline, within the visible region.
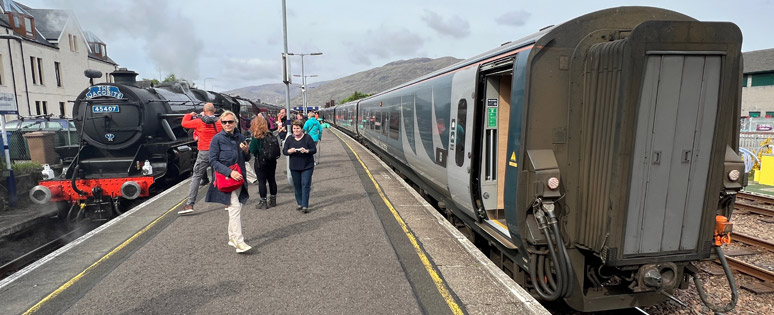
(22, 24)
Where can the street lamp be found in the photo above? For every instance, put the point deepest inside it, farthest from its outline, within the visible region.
(205, 82)
(303, 87)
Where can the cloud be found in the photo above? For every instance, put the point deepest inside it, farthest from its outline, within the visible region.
(168, 38)
(384, 42)
(455, 26)
(252, 69)
(514, 18)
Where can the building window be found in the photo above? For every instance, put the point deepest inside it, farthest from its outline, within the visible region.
(16, 23)
(2, 72)
(58, 74)
(75, 43)
(96, 50)
(37, 107)
(44, 104)
(32, 70)
(28, 27)
(40, 71)
(61, 108)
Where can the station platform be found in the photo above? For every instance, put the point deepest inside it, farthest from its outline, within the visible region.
(369, 244)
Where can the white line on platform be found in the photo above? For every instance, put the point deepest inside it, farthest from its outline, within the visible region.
(83, 238)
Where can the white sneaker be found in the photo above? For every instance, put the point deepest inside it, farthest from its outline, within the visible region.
(240, 247)
(243, 247)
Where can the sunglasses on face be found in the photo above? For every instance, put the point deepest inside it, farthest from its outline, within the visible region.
(227, 122)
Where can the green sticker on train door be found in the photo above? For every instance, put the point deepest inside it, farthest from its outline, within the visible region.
(491, 113)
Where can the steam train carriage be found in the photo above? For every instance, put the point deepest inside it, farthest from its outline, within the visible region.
(131, 137)
(595, 155)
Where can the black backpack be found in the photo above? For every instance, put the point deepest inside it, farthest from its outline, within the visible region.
(270, 149)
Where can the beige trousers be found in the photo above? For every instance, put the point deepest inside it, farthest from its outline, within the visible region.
(235, 218)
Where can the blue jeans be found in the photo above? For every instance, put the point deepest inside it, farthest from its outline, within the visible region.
(302, 183)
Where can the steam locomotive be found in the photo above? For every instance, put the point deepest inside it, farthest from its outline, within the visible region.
(131, 137)
(595, 160)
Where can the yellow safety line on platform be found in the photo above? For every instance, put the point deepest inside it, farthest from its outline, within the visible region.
(78, 277)
(422, 256)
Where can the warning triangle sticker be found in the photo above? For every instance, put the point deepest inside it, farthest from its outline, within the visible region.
(513, 157)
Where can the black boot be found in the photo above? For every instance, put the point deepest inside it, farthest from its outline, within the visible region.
(262, 204)
(272, 200)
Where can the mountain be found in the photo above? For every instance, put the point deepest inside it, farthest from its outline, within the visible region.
(369, 81)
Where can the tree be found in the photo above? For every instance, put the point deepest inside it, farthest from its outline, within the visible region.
(355, 96)
(170, 78)
(154, 81)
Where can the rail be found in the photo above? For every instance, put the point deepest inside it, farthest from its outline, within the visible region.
(753, 203)
(752, 241)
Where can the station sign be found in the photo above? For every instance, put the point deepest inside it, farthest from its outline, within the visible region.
(8, 103)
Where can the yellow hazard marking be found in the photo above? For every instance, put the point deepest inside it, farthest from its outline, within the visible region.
(78, 277)
(439, 284)
(512, 162)
(500, 224)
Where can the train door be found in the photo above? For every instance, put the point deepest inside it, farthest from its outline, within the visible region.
(493, 107)
(458, 164)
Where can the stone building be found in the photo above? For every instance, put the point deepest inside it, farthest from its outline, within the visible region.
(758, 84)
(43, 54)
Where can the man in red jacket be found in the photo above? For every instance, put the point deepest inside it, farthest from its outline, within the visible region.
(206, 126)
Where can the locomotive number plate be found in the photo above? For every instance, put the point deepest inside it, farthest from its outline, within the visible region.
(105, 109)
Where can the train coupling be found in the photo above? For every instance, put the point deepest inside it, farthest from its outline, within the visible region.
(657, 277)
(723, 230)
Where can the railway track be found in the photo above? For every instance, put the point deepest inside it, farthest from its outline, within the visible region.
(39, 252)
(755, 203)
(747, 268)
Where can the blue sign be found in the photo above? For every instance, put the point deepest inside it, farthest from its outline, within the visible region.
(105, 109)
(104, 90)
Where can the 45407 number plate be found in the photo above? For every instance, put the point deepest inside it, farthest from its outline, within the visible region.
(105, 109)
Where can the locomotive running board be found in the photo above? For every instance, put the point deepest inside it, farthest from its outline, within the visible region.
(495, 231)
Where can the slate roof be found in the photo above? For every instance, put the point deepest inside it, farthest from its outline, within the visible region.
(759, 61)
(50, 23)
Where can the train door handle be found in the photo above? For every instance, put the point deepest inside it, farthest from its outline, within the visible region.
(686, 155)
(656, 157)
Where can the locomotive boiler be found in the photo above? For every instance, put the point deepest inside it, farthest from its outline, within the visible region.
(131, 137)
(596, 160)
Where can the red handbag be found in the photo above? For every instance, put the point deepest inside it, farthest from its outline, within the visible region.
(228, 184)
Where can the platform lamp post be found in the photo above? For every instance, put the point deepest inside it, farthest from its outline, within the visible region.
(303, 86)
(303, 89)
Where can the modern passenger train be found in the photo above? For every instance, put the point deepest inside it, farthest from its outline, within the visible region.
(598, 158)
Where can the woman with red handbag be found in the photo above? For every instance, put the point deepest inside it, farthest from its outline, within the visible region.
(228, 153)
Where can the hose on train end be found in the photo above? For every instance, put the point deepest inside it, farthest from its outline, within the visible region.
(540, 266)
(703, 294)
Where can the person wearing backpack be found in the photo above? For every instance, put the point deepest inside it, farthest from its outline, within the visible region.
(313, 128)
(265, 148)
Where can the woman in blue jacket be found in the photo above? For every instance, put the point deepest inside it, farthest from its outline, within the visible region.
(227, 148)
(300, 147)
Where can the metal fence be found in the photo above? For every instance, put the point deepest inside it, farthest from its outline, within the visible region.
(19, 148)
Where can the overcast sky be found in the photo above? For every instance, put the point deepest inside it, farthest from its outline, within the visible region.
(234, 44)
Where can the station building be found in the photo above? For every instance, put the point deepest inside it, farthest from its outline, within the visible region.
(758, 84)
(43, 54)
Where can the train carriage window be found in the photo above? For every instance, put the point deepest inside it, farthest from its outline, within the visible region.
(442, 105)
(407, 105)
(425, 122)
(395, 121)
(462, 114)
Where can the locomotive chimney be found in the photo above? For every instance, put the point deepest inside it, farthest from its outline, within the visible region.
(124, 76)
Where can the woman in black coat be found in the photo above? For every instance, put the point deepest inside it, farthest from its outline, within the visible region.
(228, 148)
(301, 149)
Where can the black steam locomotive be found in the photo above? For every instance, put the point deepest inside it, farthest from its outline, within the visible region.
(131, 138)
